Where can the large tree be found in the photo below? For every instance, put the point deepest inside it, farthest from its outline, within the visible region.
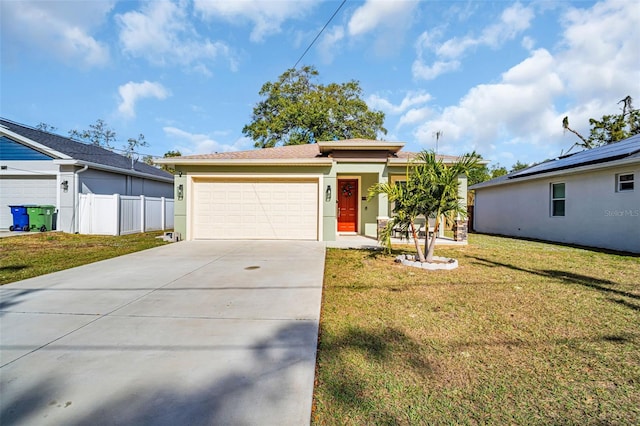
(298, 110)
(611, 128)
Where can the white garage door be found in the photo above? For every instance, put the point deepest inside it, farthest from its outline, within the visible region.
(258, 209)
(24, 190)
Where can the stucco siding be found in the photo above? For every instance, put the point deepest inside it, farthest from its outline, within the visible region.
(369, 208)
(595, 214)
(102, 182)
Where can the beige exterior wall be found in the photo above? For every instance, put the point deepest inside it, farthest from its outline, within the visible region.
(367, 174)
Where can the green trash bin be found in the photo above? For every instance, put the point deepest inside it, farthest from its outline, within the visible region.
(41, 217)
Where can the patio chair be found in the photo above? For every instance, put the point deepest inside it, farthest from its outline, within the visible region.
(432, 226)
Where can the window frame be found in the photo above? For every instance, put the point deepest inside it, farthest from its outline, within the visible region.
(619, 183)
(553, 199)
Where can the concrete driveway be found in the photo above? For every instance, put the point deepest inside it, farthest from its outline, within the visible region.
(192, 333)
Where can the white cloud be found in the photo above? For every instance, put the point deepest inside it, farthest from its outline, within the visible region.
(528, 43)
(386, 21)
(600, 50)
(415, 116)
(162, 33)
(409, 100)
(267, 16)
(62, 29)
(411, 107)
(520, 107)
(327, 45)
(429, 72)
(513, 21)
(198, 143)
(131, 92)
(594, 67)
(376, 13)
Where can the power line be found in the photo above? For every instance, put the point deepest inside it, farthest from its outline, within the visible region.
(323, 28)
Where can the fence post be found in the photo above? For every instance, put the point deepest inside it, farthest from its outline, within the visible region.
(163, 213)
(116, 201)
(142, 213)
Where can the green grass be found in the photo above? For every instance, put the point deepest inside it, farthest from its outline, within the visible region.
(34, 254)
(521, 333)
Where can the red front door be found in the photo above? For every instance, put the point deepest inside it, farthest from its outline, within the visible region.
(347, 205)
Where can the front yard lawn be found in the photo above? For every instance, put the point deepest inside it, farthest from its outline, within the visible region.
(521, 333)
(27, 256)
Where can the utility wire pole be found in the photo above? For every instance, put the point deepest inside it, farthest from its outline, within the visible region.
(438, 134)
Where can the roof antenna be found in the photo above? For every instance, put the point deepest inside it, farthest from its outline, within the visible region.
(438, 134)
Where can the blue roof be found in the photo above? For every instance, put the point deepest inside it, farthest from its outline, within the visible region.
(602, 154)
(82, 151)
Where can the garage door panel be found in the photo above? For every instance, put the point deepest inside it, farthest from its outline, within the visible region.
(25, 190)
(255, 210)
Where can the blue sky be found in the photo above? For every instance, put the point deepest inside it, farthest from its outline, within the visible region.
(495, 77)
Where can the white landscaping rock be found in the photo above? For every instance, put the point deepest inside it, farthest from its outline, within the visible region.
(444, 263)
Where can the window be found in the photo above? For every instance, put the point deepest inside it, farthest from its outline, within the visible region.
(557, 199)
(624, 182)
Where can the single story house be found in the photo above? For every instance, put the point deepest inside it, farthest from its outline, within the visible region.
(590, 198)
(301, 192)
(38, 167)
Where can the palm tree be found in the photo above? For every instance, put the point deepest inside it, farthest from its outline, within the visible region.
(438, 187)
(406, 209)
(431, 190)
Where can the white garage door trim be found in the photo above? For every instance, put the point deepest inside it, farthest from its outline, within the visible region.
(267, 208)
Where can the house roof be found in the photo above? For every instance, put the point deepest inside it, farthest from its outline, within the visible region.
(359, 145)
(320, 153)
(65, 148)
(625, 150)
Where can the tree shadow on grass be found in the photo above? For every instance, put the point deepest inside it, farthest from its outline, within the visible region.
(13, 268)
(599, 284)
(349, 386)
(587, 281)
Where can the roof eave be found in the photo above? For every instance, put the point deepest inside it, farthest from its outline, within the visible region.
(407, 161)
(244, 162)
(328, 146)
(129, 172)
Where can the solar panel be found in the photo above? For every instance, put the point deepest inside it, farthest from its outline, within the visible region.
(601, 154)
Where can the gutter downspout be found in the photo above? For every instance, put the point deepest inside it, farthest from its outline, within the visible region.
(76, 198)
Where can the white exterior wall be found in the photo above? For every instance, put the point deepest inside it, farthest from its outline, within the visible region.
(595, 214)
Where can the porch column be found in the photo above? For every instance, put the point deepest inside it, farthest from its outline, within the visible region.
(383, 204)
(460, 225)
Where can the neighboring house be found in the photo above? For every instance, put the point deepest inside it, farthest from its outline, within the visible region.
(38, 167)
(590, 198)
(300, 192)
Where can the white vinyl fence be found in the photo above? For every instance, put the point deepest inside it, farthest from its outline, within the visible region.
(122, 214)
